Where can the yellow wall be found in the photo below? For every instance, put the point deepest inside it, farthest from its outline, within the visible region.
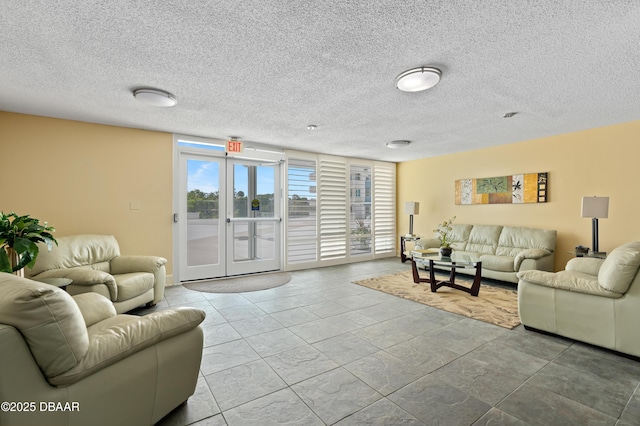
(82, 178)
(602, 162)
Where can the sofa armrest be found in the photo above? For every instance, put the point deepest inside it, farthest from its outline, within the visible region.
(118, 337)
(94, 307)
(128, 264)
(427, 243)
(531, 253)
(587, 265)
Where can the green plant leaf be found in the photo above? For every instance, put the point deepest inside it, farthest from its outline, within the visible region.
(5, 265)
(22, 233)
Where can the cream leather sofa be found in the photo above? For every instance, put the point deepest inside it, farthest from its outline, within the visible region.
(73, 361)
(94, 264)
(595, 301)
(503, 250)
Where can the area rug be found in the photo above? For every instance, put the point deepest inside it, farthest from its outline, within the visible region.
(241, 284)
(493, 305)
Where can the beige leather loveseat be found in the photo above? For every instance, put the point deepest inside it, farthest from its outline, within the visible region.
(73, 361)
(94, 264)
(596, 301)
(503, 250)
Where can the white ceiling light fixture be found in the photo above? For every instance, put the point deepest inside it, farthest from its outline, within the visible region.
(155, 97)
(418, 79)
(398, 144)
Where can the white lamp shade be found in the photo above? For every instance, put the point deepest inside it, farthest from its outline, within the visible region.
(595, 207)
(411, 207)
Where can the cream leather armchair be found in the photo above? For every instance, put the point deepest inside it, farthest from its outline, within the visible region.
(94, 264)
(73, 361)
(595, 301)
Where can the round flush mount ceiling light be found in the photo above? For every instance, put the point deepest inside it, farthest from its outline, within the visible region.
(418, 79)
(398, 144)
(155, 97)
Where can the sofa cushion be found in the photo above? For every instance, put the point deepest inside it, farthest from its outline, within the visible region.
(459, 236)
(49, 320)
(513, 239)
(133, 284)
(77, 250)
(620, 267)
(484, 239)
(587, 265)
(94, 307)
(497, 263)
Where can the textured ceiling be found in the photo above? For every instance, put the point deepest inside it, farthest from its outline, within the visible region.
(264, 70)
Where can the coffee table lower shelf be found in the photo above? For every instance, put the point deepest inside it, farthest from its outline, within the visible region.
(436, 284)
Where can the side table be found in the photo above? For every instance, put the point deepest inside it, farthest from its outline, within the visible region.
(595, 255)
(403, 240)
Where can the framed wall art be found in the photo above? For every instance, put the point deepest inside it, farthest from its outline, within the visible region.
(514, 189)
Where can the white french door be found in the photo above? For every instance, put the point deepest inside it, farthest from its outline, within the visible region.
(228, 216)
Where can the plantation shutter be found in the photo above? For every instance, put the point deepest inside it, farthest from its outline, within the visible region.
(384, 208)
(302, 235)
(333, 180)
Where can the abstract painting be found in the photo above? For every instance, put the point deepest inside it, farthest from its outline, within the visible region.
(514, 189)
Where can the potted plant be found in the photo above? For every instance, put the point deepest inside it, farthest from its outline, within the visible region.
(442, 230)
(18, 238)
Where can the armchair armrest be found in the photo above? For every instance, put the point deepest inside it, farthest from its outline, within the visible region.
(151, 264)
(531, 253)
(124, 335)
(587, 265)
(84, 276)
(94, 307)
(127, 264)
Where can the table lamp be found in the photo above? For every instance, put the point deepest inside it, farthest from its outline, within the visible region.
(411, 208)
(595, 208)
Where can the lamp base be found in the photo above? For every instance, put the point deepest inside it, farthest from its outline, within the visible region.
(594, 234)
(410, 225)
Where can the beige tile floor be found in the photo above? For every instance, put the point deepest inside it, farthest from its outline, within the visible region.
(322, 351)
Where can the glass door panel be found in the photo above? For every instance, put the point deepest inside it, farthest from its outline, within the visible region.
(253, 223)
(360, 210)
(201, 217)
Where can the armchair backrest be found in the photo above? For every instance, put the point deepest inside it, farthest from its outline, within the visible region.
(75, 251)
(620, 268)
(49, 320)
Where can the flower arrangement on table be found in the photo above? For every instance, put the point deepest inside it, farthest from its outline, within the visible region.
(443, 230)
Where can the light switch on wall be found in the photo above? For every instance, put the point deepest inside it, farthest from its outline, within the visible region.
(134, 205)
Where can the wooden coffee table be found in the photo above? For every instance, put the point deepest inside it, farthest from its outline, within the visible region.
(453, 263)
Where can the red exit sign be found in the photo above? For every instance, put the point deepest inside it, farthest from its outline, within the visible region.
(234, 146)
